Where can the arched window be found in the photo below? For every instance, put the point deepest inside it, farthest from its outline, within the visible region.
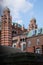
(38, 50)
(14, 33)
(22, 40)
(38, 41)
(34, 32)
(39, 31)
(14, 45)
(23, 46)
(29, 43)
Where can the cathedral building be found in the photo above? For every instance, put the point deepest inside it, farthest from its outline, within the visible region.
(15, 35)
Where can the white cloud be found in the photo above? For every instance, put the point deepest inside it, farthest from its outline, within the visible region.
(18, 6)
(19, 21)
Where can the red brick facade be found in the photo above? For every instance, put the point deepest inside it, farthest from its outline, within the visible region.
(15, 36)
(6, 29)
(34, 44)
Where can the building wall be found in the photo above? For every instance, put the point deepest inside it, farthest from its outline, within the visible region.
(18, 40)
(0, 37)
(14, 36)
(35, 43)
(32, 43)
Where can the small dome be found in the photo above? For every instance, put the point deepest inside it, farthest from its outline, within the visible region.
(16, 24)
(6, 9)
(33, 19)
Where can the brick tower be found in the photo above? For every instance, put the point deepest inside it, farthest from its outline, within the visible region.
(0, 30)
(32, 24)
(6, 31)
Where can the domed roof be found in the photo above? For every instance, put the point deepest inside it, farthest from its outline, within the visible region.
(17, 24)
(33, 19)
(6, 9)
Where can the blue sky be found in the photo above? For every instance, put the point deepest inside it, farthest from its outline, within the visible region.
(23, 10)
